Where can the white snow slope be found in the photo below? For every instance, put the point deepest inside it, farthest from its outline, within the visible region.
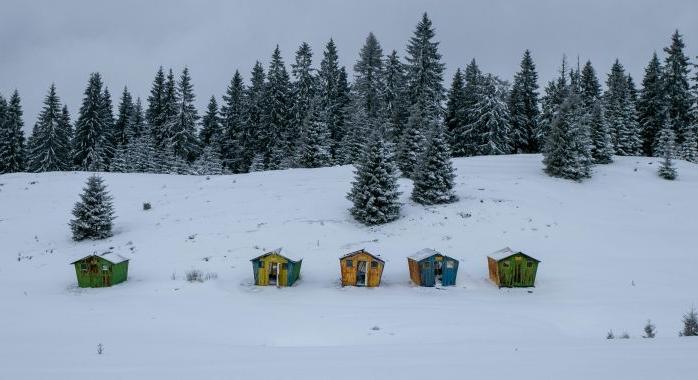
(616, 250)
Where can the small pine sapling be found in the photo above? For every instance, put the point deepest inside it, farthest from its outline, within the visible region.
(690, 324)
(666, 149)
(94, 212)
(650, 330)
(610, 335)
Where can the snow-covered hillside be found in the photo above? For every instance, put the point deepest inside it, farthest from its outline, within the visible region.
(616, 250)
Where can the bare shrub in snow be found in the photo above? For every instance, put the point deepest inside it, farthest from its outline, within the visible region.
(610, 335)
(195, 275)
(100, 349)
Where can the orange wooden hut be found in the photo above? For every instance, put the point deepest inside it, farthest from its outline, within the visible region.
(361, 268)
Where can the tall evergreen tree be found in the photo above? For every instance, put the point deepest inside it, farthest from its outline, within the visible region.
(359, 127)
(601, 144)
(12, 149)
(368, 83)
(124, 118)
(425, 71)
(237, 145)
(49, 144)
(334, 95)
(314, 145)
(676, 70)
(254, 105)
(589, 87)
(90, 128)
(182, 133)
(94, 213)
(666, 145)
(276, 134)
(462, 139)
(209, 162)
(374, 194)
(211, 132)
(304, 89)
(411, 142)
(567, 150)
(523, 107)
(556, 91)
(651, 105)
(455, 105)
(155, 114)
(620, 113)
(109, 136)
(136, 124)
(394, 97)
(489, 131)
(434, 177)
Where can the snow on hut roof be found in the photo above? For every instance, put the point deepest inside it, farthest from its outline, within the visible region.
(362, 251)
(423, 254)
(507, 252)
(110, 256)
(278, 252)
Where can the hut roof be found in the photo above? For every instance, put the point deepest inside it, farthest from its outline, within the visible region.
(278, 252)
(423, 254)
(362, 251)
(112, 257)
(507, 252)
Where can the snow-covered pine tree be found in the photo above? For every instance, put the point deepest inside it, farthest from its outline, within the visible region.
(123, 119)
(49, 144)
(209, 162)
(434, 177)
(182, 132)
(566, 153)
(12, 148)
(489, 131)
(136, 124)
(354, 138)
(254, 105)
(651, 105)
(462, 140)
(374, 194)
(689, 147)
(334, 94)
(455, 106)
(690, 323)
(601, 144)
(589, 87)
(411, 143)
(122, 161)
(94, 213)
(303, 90)
(556, 92)
(523, 107)
(425, 72)
(155, 115)
(314, 146)
(650, 330)
(676, 87)
(277, 114)
(666, 142)
(109, 142)
(210, 132)
(90, 128)
(394, 98)
(238, 139)
(144, 154)
(620, 113)
(369, 80)
(257, 164)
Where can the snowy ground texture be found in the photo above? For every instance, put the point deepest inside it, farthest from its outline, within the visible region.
(616, 250)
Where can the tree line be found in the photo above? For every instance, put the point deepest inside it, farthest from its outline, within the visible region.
(314, 116)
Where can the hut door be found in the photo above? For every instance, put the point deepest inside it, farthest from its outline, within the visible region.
(106, 275)
(438, 271)
(274, 274)
(428, 274)
(362, 273)
(519, 272)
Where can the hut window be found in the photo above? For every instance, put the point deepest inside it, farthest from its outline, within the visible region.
(350, 263)
(105, 268)
(506, 264)
(450, 264)
(530, 264)
(83, 267)
(374, 264)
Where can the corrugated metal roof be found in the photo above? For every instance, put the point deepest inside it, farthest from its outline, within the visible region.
(423, 254)
(507, 252)
(362, 251)
(278, 252)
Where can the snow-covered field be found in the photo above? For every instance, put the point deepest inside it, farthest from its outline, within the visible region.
(615, 250)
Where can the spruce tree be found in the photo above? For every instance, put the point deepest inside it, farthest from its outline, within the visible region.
(303, 90)
(238, 139)
(182, 133)
(556, 91)
(136, 124)
(434, 177)
(675, 79)
(12, 149)
(650, 330)
(455, 106)
(93, 214)
(651, 105)
(122, 161)
(124, 118)
(666, 142)
(374, 194)
(254, 101)
(462, 140)
(412, 141)
(275, 134)
(314, 147)
(394, 98)
(523, 107)
(689, 147)
(109, 136)
(589, 87)
(489, 130)
(209, 162)
(620, 113)
(155, 114)
(355, 137)
(368, 84)
(50, 142)
(210, 132)
(690, 324)
(334, 97)
(90, 128)
(567, 153)
(601, 144)
(425, 71)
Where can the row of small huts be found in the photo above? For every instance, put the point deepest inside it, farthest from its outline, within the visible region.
(507, 268)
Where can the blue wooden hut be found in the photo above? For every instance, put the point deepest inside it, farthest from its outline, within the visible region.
(430, 268)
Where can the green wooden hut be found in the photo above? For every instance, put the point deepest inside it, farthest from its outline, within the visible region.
(272, 268)
(510, 269)
(99, 271)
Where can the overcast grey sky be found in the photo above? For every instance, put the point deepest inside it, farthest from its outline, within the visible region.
(126, 40)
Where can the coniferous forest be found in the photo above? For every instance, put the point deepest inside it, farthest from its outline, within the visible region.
(308, 113)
